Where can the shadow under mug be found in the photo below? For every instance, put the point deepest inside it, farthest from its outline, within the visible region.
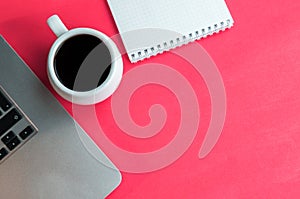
(100, 92)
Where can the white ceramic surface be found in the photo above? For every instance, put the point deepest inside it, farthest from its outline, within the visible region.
(107, 88)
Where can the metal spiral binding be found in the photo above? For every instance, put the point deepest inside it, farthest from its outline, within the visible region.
(179, 41)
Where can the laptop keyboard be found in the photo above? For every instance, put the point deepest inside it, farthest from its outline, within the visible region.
(15, 128)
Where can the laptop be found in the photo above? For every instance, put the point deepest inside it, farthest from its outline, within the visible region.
(44, 154)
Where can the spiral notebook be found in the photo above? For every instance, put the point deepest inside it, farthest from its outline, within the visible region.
(151, 27)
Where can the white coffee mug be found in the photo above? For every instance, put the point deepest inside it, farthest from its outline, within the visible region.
(103, 91)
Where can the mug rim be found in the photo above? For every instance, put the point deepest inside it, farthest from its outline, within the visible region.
(72, 94)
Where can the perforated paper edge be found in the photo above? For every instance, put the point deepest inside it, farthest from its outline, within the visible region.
(160, 48)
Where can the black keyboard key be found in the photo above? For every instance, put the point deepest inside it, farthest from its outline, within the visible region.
(10, 119)
(4, 103)
(3, 153)
(8, 137)
(26, 132)
(13, 143)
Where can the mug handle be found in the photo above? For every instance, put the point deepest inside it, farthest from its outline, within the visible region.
(56, 25)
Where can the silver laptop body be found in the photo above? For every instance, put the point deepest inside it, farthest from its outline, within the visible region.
(44, 153)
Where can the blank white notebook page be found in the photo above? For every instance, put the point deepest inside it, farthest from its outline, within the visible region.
(154, 26)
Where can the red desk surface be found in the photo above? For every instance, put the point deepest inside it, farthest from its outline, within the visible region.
(257, 155)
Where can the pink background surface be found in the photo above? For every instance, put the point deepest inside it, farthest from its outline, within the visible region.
(257, 155)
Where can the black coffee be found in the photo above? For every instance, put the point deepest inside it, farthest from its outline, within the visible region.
(82, 63)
